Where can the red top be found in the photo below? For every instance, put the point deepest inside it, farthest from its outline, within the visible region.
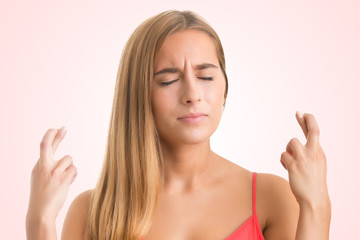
(250, 229)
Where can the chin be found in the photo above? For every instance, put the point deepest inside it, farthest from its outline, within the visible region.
(186, 135)
(191, 137)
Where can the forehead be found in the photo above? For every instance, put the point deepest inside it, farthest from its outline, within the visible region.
(188, 45)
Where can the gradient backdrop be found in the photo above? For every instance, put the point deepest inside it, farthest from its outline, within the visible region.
(59, 59)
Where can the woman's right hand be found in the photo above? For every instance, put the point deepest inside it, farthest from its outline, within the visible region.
(50, 179)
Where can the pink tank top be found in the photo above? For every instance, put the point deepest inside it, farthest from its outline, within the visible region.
(250, 229)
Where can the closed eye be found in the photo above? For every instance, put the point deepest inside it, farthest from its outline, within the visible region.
(206, 78)
(203, 78)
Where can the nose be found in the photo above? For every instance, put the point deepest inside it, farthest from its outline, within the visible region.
(190, 89)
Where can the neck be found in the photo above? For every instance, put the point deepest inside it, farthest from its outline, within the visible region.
(187, 166)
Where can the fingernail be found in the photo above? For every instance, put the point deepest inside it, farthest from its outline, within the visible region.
(63, 130)
(299, 114)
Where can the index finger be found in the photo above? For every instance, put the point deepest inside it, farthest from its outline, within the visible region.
(310, 129)
(48, 145)
(301, 121)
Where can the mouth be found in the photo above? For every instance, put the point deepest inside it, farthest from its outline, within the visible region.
(193, 117)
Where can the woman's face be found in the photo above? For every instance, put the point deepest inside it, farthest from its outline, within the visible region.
(185, 61)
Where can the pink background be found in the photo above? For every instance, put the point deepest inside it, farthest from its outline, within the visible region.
(58, 63)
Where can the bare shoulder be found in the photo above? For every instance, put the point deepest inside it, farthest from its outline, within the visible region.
(76, 217)
(277, 205)
(273, 185)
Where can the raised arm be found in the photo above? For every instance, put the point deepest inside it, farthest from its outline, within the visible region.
(306, 166)
(50, 181)
(299, 209)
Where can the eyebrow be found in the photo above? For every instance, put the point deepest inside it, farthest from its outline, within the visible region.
(175, 70)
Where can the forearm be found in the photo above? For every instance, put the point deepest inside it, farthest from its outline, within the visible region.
(40, 229)
(314, 222)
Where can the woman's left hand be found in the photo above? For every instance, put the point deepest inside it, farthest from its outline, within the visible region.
(306, 165)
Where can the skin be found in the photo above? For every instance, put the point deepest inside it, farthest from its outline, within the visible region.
(205, 196)
(50, 181)
(186, 147)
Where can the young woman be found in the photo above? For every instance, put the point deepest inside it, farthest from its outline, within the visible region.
(160, 179)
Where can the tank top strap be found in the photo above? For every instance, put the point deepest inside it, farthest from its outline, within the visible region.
(254, 193)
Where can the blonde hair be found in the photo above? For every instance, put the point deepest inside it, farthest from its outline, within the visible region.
(125, 198)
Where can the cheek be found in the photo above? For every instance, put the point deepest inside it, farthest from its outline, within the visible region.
(160, 103)
(216, 96)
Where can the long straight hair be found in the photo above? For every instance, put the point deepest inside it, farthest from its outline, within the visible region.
(125, 198)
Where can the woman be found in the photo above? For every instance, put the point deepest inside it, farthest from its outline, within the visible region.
(160, 179)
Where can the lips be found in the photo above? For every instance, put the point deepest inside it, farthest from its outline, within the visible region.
(193, 115)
